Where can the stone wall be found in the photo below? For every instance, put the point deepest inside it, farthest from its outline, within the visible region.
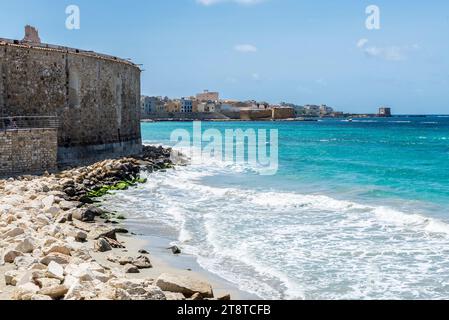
(96, 98)
(255, 114)
(283, 113)
(28, 151)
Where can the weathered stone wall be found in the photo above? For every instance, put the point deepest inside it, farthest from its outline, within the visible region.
(96, 97)
(255, 114)
(283, 113)
(28, 151)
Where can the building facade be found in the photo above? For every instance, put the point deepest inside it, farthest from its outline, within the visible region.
(186, 105)
(208, 96)
(385, 112)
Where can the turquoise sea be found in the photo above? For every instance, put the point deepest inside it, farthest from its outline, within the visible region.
(357, 210)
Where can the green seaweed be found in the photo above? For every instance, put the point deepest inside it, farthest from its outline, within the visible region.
(119, 186)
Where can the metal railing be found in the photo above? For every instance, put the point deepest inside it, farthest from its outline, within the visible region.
(28, 122)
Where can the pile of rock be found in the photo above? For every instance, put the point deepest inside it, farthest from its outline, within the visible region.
(78, 182)
(48, 238)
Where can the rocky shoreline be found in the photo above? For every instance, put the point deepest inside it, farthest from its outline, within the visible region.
(57, 244)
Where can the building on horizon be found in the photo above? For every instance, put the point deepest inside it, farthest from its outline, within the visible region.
(186, 105)
(385, 112)
(325, 110)
(208, 96)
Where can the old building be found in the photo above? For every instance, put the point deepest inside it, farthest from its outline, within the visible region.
(384, 112)
(186, 105)
(208, 96)
(95, 97)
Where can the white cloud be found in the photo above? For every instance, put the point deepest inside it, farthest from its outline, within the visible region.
(362, 43)
(390, 53)
(256, 76)
(213, 2)
(245, 48)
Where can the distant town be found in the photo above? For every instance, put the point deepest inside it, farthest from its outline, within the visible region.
(209, 106)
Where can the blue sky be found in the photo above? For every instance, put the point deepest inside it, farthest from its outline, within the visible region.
(275, 50)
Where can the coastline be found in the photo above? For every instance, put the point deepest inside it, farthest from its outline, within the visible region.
(56, 243)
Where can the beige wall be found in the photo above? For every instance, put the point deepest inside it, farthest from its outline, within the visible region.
(28, 151)
(206, 96)
(283, 113)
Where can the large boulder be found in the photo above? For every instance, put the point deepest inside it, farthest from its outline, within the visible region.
(13, 277)
(27, 245)
(56, 257)
(10, 255)
(54, 292)
(138, 289)
(102, 245)
(142, 262)
(84, 215)
(183, 284)
(47, 282)
(55, 270)
(24, 262)
(58, 248)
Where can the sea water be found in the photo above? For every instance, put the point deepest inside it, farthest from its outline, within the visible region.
(357, 210)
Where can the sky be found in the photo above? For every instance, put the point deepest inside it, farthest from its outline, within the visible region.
(304, 52)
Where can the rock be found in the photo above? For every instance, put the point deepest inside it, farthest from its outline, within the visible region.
(142, 262)
(129, 268)
(142, 251)
(82, 254)
(80, 236)
(55, 270)
(102, 277)
(174, 296)
(12, 277)
(101, 245)
(53, 211)
(38, 266)
(84, 215)
(10, 255)
(175, 250)
(40, 297)
(47, 282)
(121, 295)
(55, 292)
(184, 284)
(68, 205)
(56, 257)
(197, 297)
(24, 262)
(95, 211)
(25, 292)
(138, 289)
(125, 260)
(27, 245)
(81, 291)
(58, 248)
(26, 277)
(113, 258)
(14, 233)
(225, 297)
(103, 232)
(114, 243)
(47, 202)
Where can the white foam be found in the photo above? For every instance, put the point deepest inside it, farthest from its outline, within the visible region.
(287, 245)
